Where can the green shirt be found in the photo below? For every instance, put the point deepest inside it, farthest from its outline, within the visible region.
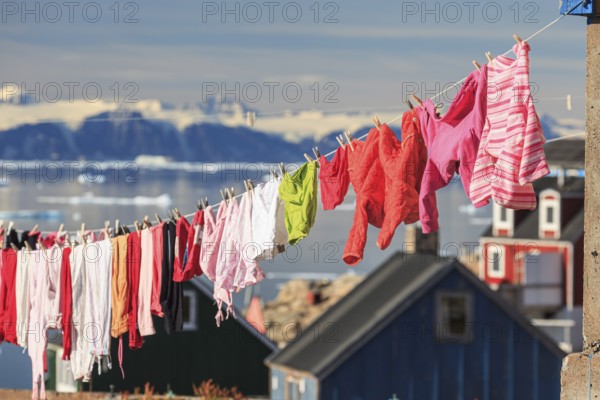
(299, 194)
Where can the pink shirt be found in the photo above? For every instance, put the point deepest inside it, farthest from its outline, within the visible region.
(511, 154)
(248, 272)
(452, 141)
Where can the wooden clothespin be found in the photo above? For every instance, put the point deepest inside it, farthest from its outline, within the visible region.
(282, 168)
(107, 229)
(158, 220)
(489, 57)
(11, 225)
(83, 233)
(517, 39)
(146, 221)
(14, 247)
(376, 122)
(307, 157)
(409, 104)
(206, 202)
(418, 100)
(137, 225)
(28, 246)
(34, 228)
(117, 226)
(199, 205)
(60, 229)
(178, 213)
(222, 194)
(316, 152)
(477, 65)
(246, 185)
(250, 184)
(348, 136)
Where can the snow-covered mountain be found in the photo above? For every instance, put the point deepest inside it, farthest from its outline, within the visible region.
(194, 132)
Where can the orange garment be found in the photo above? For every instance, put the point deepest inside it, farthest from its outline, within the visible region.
(368, 180)
(120, 287)
(403, 165)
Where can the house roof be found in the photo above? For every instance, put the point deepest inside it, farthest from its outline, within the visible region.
(528, 228)
(568, 154)
(203, 287)
(383, 296)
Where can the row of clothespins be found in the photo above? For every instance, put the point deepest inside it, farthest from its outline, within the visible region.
(490, 57)
(347, 136)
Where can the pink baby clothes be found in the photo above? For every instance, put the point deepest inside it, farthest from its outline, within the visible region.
(213, 231)
(452, 141)
(36, 324)
(511, 153)
(227, 261)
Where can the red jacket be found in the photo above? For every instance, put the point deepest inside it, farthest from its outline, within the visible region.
(403, 165)
(8, 297)
(192, 265)
(368, 181)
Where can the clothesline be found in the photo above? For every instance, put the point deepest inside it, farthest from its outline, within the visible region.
(400, 116)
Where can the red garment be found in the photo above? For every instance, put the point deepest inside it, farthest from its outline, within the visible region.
(66, 302)
(368, 180)
(8, 297)
(334, 178)
(194, 240)
(181, 238)
(157, 246)
(134, 258)
(403, 164)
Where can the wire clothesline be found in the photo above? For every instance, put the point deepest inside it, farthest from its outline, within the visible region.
(400, 116)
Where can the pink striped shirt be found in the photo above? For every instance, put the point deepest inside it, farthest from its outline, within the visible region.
(511, 153)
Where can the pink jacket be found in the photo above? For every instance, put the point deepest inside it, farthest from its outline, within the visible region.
(452, 141)
(511, 154)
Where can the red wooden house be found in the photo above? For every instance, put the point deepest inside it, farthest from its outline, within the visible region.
(535, 258)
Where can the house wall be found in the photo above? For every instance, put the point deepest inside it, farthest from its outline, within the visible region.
(285, 385)
(229, 355)
(502, 361)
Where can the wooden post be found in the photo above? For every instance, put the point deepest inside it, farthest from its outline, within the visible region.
(581, 371)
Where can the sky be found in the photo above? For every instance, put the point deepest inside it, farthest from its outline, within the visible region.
(280, 55)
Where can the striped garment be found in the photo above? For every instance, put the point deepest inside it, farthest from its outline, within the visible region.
(511, 152)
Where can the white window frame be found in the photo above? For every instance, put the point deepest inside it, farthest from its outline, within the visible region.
(492, 251)
(499, 224)
(442, 333)
(192, 324)
(545, 204)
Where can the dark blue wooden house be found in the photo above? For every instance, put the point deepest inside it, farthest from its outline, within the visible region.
(419, 327)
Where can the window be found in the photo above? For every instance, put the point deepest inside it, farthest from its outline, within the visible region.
(495, 262)
(454, 317)
(550, 215)
(189, 310)
(64, 376)
(503, 215)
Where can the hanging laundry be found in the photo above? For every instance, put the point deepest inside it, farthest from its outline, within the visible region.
(192, 265)
(403, 165)
(158, 234)
(145, 324)
(268, 220)
(181, 242)
(227, 261)
(247, 272)
(171, 294)
(452, 141)
(35, 326)
(66, 302)
(12, 238)
(98, 265)
(8, 297)
(24, 259)
(30, 238)
(134, 258)
(213, 231)
(368, 180)
(511, 153)
(120, 287)
(299, 194)
(80, 348)
(334, 178)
